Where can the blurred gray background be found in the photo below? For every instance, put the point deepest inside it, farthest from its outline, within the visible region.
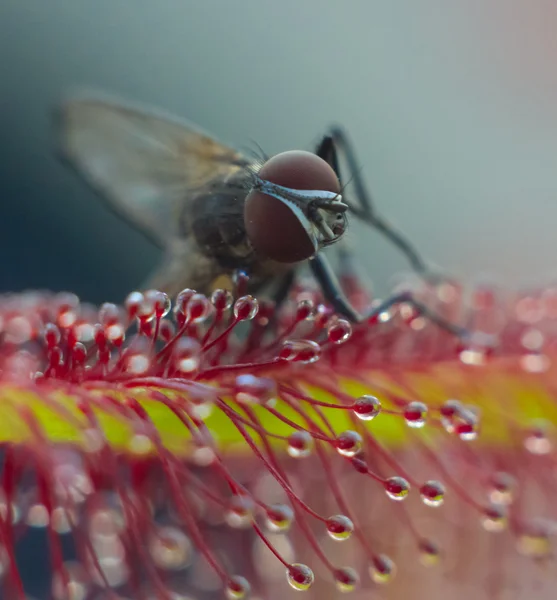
(452, 107)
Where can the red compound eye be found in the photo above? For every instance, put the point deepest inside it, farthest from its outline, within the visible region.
(272, 227)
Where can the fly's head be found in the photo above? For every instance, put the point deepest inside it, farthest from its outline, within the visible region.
(294, 208)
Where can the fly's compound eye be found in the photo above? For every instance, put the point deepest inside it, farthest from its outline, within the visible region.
(279, 225)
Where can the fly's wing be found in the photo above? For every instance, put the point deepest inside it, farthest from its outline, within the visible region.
(143, 163)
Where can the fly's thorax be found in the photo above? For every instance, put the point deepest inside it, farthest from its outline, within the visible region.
(214, 218)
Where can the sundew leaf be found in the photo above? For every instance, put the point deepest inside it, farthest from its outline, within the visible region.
(179, 436)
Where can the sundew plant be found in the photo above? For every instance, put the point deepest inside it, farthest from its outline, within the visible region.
(217, 447)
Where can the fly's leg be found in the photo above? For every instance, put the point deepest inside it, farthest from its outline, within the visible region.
(283, 289)
(241, 283)
(336, 146)
(336, 297)
(332, 289)
(279, 297)
(422, 309)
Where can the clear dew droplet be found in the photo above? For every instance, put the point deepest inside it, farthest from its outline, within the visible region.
(246, 308)
(279, 518)
(305, 310)
(249, 389)
(501, 488)
(300, 577)
(397, 488)
(349, 443)
(67, 318)
(114, 569)
(535, 362)
(300, 444)
(163, 304)
(382, 569)
(366, 407)
(222, 300)
(197, 308)
(115, 333)
(339, 331)
(186, 355)
(18, 330)
(79, 354)
(430, 554)
(93, 440)
(147, 308)
(133, 302)
(449, 410)
(346, 579)
(302, 351)
(37, 516)
(84, 332)
(109, 314)
(51, 335)
(203, 456)
(537, 440)
(239, 514)
(467, 428)
(137, 363)
(415, 414)
(61, 520)
(494, 518)
(75, 586)
(106, 522)
(71, 482)
(182, 299)
(460, 420)
(140, 444)
(534, 543)
(237, 588)
(339, 527)
(171, 549)
(432, 493)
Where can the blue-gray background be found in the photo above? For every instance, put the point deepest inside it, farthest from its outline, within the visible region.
(452, 106)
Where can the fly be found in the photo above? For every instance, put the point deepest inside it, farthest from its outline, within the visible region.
(215, 211)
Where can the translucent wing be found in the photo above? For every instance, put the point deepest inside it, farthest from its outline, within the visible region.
(143, 163)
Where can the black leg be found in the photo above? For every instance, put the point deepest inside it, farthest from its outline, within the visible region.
(334, 295)
(331, 288)
(407, 298)
(284, 287)
(335, 145)
(279, 295)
